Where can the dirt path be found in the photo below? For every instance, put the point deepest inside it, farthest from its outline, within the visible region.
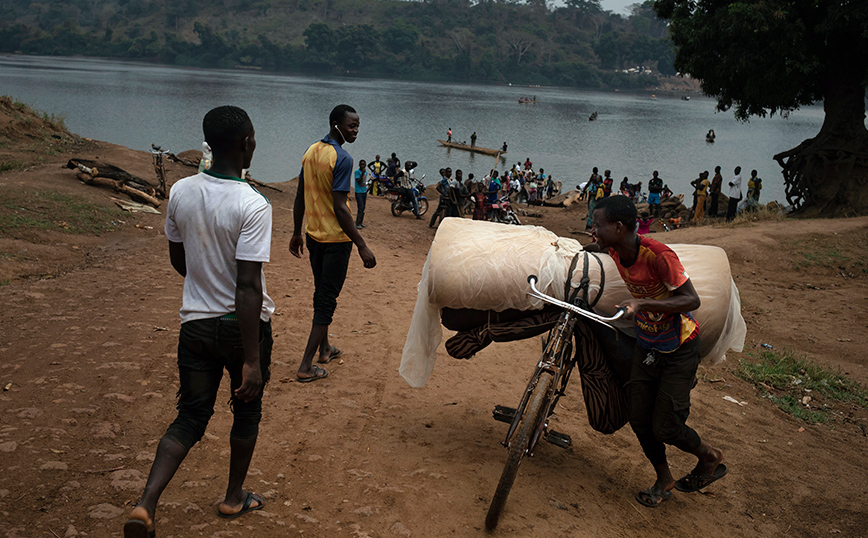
(89, 353)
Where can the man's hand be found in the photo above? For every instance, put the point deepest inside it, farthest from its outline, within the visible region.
(296, 245)
(367, 257)
(631, 307)
(251, 382)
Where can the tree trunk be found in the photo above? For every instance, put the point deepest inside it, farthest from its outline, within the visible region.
(828, 175)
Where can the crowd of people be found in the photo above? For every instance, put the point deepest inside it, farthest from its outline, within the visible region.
(707, 192)
(599, 187)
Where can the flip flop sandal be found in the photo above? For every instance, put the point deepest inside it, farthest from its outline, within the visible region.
(318, 373)
(136, 528)
(244, 507)
(650, 499)
(335, 353)
(695, 482)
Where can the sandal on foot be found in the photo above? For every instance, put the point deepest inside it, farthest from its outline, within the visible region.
(651, 499)
(333, 354)
(318, 373)
(244, 507)
(137, 526)
(694, 482)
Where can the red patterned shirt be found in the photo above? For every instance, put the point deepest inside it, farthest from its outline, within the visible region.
(656, 274)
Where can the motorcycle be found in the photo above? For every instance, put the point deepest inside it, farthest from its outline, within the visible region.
(501, 211)
(401, 201)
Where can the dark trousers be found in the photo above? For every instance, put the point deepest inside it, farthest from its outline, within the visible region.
(329, 263)
(205, 348)
(660, 400)
(732, 208)
(361, 203)
(440, 212)
(712, 210)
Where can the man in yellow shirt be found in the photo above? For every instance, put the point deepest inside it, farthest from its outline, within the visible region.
(701, 185)
(324, 184)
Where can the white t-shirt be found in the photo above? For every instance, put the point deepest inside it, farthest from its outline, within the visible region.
(219, 220)
(735, 189)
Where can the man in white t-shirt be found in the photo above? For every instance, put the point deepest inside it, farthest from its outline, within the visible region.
(734, 194)
(219, 231)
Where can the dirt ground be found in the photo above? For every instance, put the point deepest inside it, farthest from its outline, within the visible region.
(87, 363)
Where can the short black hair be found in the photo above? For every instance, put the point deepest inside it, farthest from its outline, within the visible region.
(224, 126)
(339, 113)
(619, 209)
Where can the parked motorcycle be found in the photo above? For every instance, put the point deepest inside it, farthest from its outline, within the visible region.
(401, 201)
(501, 211)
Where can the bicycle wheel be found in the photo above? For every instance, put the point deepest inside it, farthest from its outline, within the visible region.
(533, 415)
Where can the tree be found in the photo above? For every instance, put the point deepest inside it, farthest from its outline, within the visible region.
(762, 57)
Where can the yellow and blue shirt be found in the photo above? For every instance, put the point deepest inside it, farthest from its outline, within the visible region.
(325, 168)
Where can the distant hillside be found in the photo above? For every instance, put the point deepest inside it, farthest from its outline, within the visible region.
(449, 40)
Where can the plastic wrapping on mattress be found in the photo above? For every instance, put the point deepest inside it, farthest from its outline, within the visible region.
(484, 266)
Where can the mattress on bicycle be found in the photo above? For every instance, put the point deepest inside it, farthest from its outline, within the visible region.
(484, 266)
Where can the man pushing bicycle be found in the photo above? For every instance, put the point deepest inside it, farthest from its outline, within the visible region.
(667, 351)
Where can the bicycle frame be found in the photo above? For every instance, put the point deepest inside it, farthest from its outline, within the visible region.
(556, 358)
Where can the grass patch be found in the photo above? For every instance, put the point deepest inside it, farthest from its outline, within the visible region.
(765, 213)
(800, 387)
(46, 210)
(56, 121)
(11, 164)
(823, 257)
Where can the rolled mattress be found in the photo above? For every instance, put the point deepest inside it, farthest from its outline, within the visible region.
(484, 266)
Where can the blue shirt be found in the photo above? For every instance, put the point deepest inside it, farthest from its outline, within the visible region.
(360, 174)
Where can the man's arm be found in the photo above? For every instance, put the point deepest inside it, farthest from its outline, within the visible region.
(248, 305)
(345, 219)
(683, 299)
(178, 257)
(296, 243)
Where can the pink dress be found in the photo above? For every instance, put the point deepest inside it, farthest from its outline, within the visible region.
(644, 226)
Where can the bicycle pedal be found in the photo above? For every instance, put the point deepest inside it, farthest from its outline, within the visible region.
(504, 414)
(559, 439)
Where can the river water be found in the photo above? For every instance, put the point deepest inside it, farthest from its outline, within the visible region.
(135, 104)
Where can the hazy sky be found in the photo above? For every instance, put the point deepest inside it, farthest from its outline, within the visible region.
(618, 6)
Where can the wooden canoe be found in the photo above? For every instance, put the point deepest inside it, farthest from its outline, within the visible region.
(467, 147)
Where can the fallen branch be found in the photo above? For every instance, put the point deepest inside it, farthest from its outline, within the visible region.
(118, 186)
(110, 171)
(106, 175)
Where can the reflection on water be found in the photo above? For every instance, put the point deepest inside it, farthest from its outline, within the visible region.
(137, 104)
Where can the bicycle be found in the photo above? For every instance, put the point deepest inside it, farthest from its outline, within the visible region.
(529, 421)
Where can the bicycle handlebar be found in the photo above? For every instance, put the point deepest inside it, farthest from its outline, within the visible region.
(532, 280)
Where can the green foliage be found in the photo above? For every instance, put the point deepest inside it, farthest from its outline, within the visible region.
(46, 210)
(769, 56)
(787, 380)
(500, 41)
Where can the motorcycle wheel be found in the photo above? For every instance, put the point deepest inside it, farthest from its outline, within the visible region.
(396, 208)
(423, 206)
(512, 219)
